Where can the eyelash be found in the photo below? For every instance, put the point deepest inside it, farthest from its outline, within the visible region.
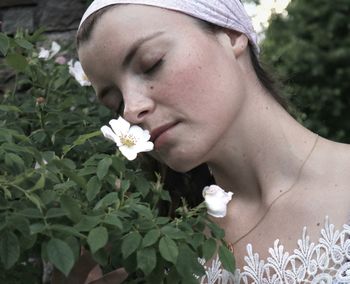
(155, 67)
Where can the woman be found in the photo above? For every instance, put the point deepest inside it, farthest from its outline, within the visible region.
(187, 71)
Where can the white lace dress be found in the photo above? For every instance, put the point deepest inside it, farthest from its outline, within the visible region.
(325, 262)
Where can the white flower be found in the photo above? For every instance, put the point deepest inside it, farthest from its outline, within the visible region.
(216, 200)
(48, 54)
(76, 70)
(131, 140)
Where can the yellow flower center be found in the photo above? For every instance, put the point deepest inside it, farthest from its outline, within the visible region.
(128, 140)
(85, 78)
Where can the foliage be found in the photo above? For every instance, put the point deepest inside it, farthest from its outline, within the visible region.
(310, 49)
(62, 188)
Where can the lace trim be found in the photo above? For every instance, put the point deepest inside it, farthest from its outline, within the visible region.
(326, 262)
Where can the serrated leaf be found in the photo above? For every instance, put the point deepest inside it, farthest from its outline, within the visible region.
(146, 260)
(108, 200)
(67, 230)
(36, 228)
(172, 232)
(4, 44)
(97, 238)
(151, 238)
(103, 167)
(55, 213)
(9, 249)
(87, 223)
(168, 249)
(227, 259)
(30, 213)
(130, 243)
(24, 43)
(93, 187)
(71, 207)
(14, 162)
(187, 264)
(209, 248)
(16, 61)
(216, 231)
(9, 108)
(61, 255)
(114, 221)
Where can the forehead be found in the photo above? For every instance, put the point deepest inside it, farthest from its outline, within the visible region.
(121, 25)
(130, 20)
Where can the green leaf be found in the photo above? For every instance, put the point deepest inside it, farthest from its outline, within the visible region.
(227, 259)
(187, 264)
(39, 184)
(150, 238)
(114, 221)
(216, 231)
(103, 167)
(97, 238)
(30, 213)
(9, 249)
(130, 243)
(14, 162)
(4, 44)
(87, 223)
(172, 232)
(108, 200)
(55, 213)
(17, 61)
(61, 255)
(24, 43)
(146, 260)
(82, 138)
(209, 248)
(93, 187)
(9, 108)
(71, 207)
(168, 249)
(67, 230)
(37, 228)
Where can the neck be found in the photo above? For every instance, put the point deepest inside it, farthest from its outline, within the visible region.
(261, 155)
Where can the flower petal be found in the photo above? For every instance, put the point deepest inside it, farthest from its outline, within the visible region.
(120, 126)
(128, 152)
(55, 48)
(44, 53)
(144, 147)
(108, 133)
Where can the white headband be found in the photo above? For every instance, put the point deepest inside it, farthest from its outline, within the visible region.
(224, 13)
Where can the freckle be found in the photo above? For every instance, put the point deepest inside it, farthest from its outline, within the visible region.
(151, 87)
(318, 224)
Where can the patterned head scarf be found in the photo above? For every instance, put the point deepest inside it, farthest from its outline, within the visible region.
(224, 13)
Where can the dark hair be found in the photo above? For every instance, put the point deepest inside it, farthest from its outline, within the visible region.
(189, 185)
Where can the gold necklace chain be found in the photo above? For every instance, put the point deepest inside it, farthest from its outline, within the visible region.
(282, 194)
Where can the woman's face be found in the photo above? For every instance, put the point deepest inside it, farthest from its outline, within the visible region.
(178, 81)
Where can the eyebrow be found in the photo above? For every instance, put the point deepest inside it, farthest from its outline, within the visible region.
(136, 45)
(129, 56)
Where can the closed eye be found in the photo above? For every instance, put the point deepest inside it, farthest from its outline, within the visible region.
(154, 67)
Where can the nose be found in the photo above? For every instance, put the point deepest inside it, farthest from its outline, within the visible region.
(137, 106)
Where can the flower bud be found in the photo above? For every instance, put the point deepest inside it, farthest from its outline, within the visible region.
(216, 200)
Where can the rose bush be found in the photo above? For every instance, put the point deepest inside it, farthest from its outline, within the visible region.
(63, 187)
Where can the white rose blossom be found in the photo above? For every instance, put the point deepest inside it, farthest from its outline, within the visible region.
(216, 200)
(76, 70)
(47, 54)
(131, 140)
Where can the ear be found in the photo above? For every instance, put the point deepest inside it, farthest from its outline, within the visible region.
(239, 42)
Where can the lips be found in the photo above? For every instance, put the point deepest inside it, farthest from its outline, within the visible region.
(157, 132)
